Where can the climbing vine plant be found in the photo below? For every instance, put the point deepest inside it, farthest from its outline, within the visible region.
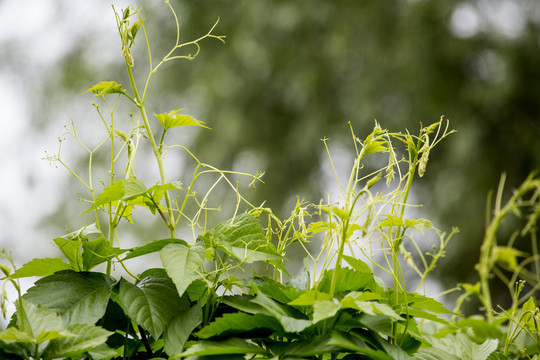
(229, 291)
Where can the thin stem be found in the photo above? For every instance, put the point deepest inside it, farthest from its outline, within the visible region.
(155, 148)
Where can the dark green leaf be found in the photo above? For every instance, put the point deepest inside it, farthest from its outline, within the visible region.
(98, 251)
(77, 297)
(237, 323)
(353, 343)
(291, 319)
(275, 290)
(179, 329)
(229, 346)
(152, 303)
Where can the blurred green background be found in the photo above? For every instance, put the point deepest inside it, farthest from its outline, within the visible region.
(293, 72)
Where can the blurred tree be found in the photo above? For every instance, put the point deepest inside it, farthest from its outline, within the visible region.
(293, 72)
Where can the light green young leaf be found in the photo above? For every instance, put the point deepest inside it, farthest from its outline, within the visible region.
(40, 267)
(325, 309)
(507, 257)
(106, 87)
(121, 190)
(174, 119)
(418, 225)
(152, 303)
(182, 263)
(77, 297)
(320, 226)
(372, 146)
(179, 329)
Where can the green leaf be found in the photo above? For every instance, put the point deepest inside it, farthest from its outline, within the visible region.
(103, 352)
(458, 347)
(274, 289)
(329, 308)
(418, 225)
(71, 245)
(507, 257)
(124, 189)
(152, 303)
(302, 281)
(180, 329)
(182, 263)
(243, 238)
(425, 303)
(233, 324)
(37, 319)
(40, 267)
(372, 146)
(325, 309)
(35, 324)
(311, 347)
(77, 297)
(497, 355)
(357, 264)
(173, 119)
(309, 297)
(427, 315)
(291, 319)
(481, 328)
(98, 251)
(347, 280)
(244, 303)
(72, 250)
(84, 337)
(229, 346)
(151, 247)
(352, 343)
(320, 226)
(106, 87)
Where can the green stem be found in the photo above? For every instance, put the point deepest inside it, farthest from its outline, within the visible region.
(155, 148)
